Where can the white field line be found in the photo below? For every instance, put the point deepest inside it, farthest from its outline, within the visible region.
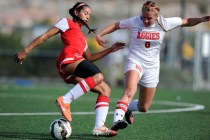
(185, 107)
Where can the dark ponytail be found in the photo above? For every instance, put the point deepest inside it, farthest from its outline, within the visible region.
(77, 7)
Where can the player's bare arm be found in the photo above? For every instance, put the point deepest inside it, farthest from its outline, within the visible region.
(93, 57)
(20, 56)
(109, 29)
(194, 21)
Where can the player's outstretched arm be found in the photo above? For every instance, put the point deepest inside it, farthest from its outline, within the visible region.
(194, 21)
(93, 57)
(107, 30)
(20, 56)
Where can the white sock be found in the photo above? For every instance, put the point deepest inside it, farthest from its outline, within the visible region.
(118, 115)
(101, 114)
(79, 89)
(73, 94)
(133, 105)
(101, 110)
(120, 111)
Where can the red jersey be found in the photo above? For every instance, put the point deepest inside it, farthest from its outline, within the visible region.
(74, 42)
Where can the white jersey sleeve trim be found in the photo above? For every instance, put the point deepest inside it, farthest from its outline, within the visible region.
(62, 24)
(86, 47)
(170, 23)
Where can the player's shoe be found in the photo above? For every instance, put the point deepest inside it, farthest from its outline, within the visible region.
(64, 108)
(119, 125)
(129, 117)
(104, 132)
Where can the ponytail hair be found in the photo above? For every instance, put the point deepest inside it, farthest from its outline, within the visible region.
(78, 7)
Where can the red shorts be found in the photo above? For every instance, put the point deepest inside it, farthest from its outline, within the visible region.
(66, 59)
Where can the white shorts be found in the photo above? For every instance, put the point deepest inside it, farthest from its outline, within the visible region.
(149, 77)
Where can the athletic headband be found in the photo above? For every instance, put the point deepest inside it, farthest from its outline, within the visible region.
(81, 4)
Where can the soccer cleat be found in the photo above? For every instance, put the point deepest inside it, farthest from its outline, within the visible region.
(64, 108)
(104, 131)
(119, 125)
(129, 117)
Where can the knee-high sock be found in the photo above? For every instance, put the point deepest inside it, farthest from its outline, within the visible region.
(79, 89)
(133, 105)
(120, 110)
(101, 110)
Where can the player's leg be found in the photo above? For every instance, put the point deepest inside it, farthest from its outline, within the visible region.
(146, 96)
(87, 69)
(147, 90)
(131, 81)
(92, 77)
(103, 90)
(101, 108)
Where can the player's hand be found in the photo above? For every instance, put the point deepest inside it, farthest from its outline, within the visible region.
(20, 57)
(117, 46)
(102, 41)
(205, 18)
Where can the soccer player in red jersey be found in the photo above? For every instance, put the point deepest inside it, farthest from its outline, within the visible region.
(74, 65)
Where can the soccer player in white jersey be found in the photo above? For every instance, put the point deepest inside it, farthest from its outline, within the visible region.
(143, 61)
(75, 67)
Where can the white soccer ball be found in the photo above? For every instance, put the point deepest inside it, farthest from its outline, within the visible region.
(60, 129)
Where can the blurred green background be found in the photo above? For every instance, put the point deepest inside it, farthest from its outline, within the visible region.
(185, 55)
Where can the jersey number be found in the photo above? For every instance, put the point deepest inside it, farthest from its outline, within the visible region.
(147, 44)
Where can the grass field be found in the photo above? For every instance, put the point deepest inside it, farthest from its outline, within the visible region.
(157, 124)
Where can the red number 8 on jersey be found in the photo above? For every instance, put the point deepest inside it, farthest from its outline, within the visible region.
(147, 44)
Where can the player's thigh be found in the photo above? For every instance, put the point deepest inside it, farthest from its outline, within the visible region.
(131, 80)
(131, 83)
(70, 67)
(133, 73)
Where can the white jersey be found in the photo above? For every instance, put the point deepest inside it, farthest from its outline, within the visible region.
(146, 42)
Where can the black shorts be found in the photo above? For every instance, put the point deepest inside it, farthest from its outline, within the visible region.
(86, 69)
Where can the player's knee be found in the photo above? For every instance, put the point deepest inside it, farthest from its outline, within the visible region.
(98, 78)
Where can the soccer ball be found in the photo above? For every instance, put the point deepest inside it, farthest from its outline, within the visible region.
(60, 129)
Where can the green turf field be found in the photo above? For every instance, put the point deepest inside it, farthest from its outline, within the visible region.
(157, 124)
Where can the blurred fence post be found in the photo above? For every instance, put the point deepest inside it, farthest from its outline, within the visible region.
(172, 50)
(197, 62)
(205, 51)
